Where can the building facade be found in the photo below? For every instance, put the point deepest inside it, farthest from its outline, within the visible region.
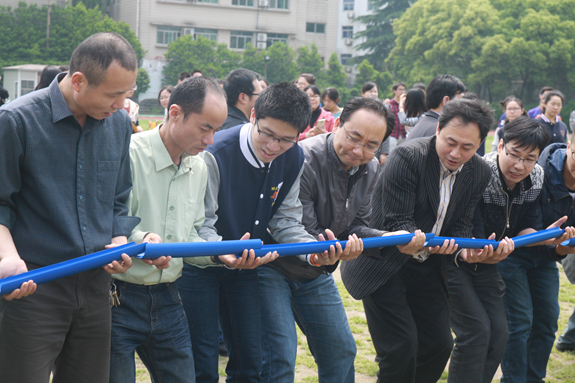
(232, 22)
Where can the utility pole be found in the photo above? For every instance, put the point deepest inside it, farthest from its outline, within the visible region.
(48, 25)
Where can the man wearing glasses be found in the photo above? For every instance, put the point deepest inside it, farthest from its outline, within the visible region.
(336, 185)
(253, 186)
(242, 89)
(509, 207)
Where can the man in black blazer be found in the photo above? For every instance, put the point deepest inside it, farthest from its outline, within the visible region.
(431, 184)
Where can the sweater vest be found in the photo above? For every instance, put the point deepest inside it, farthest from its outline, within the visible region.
(248, 197)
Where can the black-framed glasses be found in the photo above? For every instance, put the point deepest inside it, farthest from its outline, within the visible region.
(516, 159)
(355, 142)
(266, 137)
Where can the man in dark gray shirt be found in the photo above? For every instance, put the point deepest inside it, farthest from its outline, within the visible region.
(242, 90)
(65, 174)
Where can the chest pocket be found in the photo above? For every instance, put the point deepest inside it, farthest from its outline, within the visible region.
(107, 177)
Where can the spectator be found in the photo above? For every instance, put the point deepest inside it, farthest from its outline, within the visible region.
(419, 85)
(3, 96)
(164, 98)
(133, 108)
(65, 174)
(183, 76)
(369, 90)
(535, 112)
(304, 80)
(242, 89)
(513, 108)
(330, 98)
(321, 121)
(48, 74)
(398, 133)
(440, 91)
(411, 107)
(196, 73)
(551, 108)
(64, 68)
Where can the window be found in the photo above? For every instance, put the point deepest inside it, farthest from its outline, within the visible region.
(26, 86)
(344, 58)
(275, 37)
(166, 34)
(279, 4)
(347, 32)
(348, 5)
(315, 28)
(207, 1)
(239, 39)
(244, 3)
(210, 34)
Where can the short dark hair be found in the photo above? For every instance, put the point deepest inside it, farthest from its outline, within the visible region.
(471, 96)
(313, 88)
(192, 92)
(285, 102)
(330, 93)
(169, 88)
(508, 99)
(545, 89)
(48, 74)
(397, 85)
(239, 81)
(371, 104)
(264, 80)
(527, 132)
(419, 85)
(415, 103)
(441, 86)
(95, 54)
(310, 78)
(196, 71)
(554, 93)
(184, 75)
(368, 86)
(468, 111)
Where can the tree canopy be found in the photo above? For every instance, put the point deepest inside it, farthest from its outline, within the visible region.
(496, 47)
(23, 33)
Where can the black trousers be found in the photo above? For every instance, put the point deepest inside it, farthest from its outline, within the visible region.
(64, 327)
(408, 319)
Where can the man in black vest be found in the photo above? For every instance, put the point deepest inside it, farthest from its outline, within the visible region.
(253, 187)
(431, 184)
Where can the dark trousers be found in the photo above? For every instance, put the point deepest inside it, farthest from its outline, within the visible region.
(63, 327)
(408, 319)
(233, 297)
(477, 314)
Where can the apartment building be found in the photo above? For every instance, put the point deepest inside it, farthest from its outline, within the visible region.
(232, 22)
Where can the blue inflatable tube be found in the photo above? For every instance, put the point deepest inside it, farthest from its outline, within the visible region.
(199, 249)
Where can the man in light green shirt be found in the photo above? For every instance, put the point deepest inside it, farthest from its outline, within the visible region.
(169, 184)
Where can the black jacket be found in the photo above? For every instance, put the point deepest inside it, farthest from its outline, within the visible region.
(426, 127)
(410, 200)
(235, 117)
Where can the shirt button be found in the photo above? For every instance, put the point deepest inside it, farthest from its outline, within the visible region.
(80, 196)
(257, 222)
(84, 228)
(169, 236)
(171, 208)
(261, 196)
(80, 166)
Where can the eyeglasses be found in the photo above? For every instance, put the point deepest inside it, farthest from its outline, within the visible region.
(355, 143)
(267, 138)
(513, 109)
(314, 96)
(515, 159)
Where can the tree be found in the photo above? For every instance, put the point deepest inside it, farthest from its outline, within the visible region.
(378, 38)
(142, 81)
(254, 59)
(309, 60)
(281, 66)
(334, 75)
(23, 33)
(185, 54)
(496, 47)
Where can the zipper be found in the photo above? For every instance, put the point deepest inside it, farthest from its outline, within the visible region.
(508, 213)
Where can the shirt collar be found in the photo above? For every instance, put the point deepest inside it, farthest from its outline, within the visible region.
(446, 172)
(247, 147)
(544, 118)
(60, 109)
(161, 155)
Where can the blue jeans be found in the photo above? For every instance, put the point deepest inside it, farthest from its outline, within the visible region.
(531, 302)
(567, 339)
(151, 321)
(233, 296)
(477, 316)
(317, 308)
